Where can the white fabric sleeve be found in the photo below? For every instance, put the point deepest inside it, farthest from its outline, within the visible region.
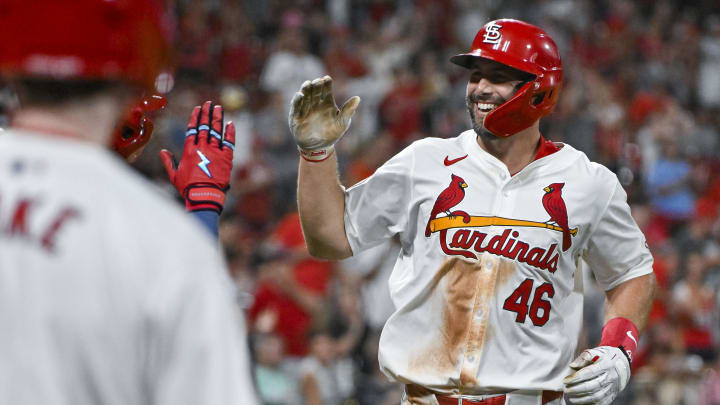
(617, 250)
(377, 207)
(198, 345)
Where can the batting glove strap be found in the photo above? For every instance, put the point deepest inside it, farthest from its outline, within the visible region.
(317, 155)
(204, 197)
(598, 376)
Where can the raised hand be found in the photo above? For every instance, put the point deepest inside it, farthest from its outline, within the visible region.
(315, 120)
(203, 175)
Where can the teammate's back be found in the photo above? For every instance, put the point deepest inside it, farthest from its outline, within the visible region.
(108, 292)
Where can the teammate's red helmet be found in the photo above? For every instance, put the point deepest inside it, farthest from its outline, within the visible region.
(89, 39)
(527, 48)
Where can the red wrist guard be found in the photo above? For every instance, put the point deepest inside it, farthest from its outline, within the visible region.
(621, 333)
(204, 197)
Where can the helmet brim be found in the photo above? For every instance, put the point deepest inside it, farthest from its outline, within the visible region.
(468, 60)
(465, 60)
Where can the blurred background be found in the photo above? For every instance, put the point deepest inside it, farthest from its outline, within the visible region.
(641, 96)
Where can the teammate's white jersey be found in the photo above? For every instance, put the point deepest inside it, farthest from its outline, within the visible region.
(491, 300)
(109, 293)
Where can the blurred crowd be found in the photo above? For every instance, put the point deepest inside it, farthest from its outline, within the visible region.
(641, 96)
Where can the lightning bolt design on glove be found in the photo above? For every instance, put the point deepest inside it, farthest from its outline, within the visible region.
(204, 162)
(201, 188)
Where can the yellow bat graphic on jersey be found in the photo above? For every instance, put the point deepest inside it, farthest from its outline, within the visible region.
(442, 223)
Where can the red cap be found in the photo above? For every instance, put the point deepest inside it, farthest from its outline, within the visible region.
(85, 39)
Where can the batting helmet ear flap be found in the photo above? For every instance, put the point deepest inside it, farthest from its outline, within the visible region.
(511, 117)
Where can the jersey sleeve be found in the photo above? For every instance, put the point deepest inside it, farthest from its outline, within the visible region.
(617, 250)
(377, 207)
(198, 345)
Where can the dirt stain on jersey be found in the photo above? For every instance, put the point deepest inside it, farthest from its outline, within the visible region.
(459, 278)
(505, 269)
(469, 290)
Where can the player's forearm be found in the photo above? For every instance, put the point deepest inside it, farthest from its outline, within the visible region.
(321, 204)
(632, 300)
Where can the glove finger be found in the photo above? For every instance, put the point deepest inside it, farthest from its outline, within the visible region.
(601, 396)
(584, 374)
(317, 91)
(204, 123)
(192, 131)
(305, 87)
(305, 103)
(585, 387)
(584, 359)
(348, 109)
(229, 140)
(217, 126)
(295, 106)
(326, 96)
(167, 161)
(580, 400)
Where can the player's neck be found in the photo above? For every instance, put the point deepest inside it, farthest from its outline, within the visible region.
(91, 122)
(516, 151)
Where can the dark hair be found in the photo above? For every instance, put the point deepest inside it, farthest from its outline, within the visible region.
(50, 92)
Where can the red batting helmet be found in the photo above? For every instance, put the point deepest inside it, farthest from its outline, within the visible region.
(85, 39)
(527, 48)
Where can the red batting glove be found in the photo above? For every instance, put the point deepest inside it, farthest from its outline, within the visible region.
(135, 131)
(203, 175)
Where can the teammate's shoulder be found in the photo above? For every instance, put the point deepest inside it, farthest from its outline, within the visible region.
(149, 206)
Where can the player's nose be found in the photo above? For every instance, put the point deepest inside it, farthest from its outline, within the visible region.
(483, 87)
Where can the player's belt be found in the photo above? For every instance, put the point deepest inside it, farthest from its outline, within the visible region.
(547, 396)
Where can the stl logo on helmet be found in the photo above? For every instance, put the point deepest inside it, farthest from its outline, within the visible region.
(492, 33)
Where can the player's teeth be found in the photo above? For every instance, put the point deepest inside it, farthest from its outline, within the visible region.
(485, 107)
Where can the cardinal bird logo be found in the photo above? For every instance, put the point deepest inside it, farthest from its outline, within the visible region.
(450, 197)
(555, 207)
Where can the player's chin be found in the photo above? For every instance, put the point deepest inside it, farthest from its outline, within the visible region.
(480, 129)
(484, 133)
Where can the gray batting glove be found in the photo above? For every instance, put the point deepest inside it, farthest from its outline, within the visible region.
(315, 120)
(601, 373)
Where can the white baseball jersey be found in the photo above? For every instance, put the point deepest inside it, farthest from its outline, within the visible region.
(487, 287)
(109, 293)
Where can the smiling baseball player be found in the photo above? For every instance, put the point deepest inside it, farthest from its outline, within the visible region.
(493, 224)
(109, 293)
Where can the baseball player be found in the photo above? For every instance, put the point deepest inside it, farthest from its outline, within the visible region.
(109, 294)
(493, 224)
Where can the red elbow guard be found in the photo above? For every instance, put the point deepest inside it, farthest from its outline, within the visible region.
(621, 333)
